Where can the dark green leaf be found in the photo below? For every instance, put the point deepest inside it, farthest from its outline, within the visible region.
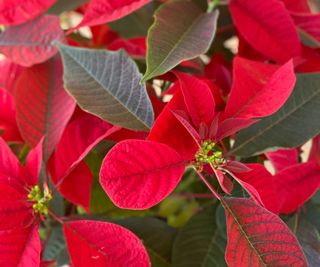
(107, 84)
(294, 124)
(199, 243)
(56, 247)
(157, 237)
(181, 31)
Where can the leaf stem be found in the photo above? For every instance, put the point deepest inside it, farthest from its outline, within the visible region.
(212, 4)
(213, 191)
(56, 217)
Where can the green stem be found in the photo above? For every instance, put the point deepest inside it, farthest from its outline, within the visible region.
(213, 191)
(212, 4)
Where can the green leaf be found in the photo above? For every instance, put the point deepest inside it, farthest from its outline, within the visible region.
(157, 237)
(107, 84)
(199, 242)
(56, 247)
(294, 124)
(181, 31)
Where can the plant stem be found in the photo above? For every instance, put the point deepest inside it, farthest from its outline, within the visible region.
(212, 4)
(56, 217)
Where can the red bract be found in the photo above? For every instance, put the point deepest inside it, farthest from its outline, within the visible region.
(69, 173)
(268, 28)
(18, 11)
(43, 106)
(32, 42)
(8, 127)
(133, 173)
(101, 244)
(103, 11)
(258, 237)
(258, 89)
(20, 241)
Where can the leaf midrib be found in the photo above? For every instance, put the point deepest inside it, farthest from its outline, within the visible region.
(106, 89)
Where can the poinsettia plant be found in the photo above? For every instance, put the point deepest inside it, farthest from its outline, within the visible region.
(159, 133)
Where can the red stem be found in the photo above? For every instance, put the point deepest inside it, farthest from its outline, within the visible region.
(213, 191)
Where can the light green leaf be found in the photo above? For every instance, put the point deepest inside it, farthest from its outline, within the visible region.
(181, 31)
(107, 84)
(294, 124)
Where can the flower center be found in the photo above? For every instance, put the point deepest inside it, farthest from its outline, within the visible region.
(40, 200)
(209, 153)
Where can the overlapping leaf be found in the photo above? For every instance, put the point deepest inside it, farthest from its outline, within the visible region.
(173, 38)
(295, 123)
(18, 11)
(31, 43)
(107, 84)
(259, 89)
(257, 237)
(138, 174)
(199, 242)
(267, 27)
(101, 11)
(100, 244)
(43, 106)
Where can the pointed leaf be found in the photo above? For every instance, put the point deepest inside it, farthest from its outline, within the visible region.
(198, 99)
(301, 110)
(310, 23)
(167, 126)
(101, 11)
(18, 11)
(199, 242)
(107, 84)
(173, 39)
(43, 106)
(296, 184)
(257, 237)
(259, 89)
(267, 26)
(100, 244)
(9, 164)
(138, 174)
(31, 43)
(77, 141)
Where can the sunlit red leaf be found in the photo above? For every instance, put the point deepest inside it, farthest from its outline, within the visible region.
(138, 174)
(43, 106)
(103, 11)
(259, 89)
(32, 42)
(101, 244)
(18, 11)
(268, 27)
(296, 184)
(256, 237)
